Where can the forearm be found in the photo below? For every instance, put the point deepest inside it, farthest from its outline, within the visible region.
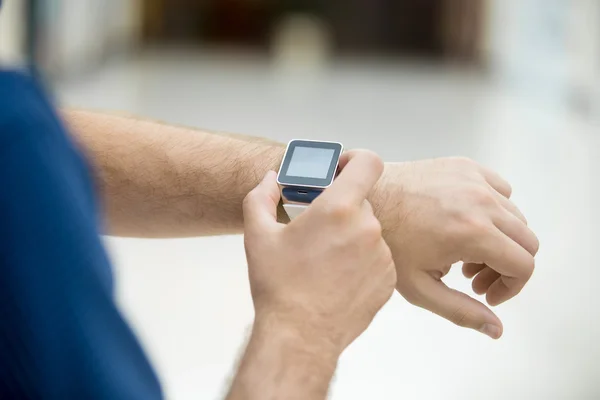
(164, 181)
(280, 364)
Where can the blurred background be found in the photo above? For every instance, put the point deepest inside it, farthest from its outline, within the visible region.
(514, 84)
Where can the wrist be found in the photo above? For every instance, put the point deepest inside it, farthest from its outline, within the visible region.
(267, 158)
(281, 363)
(387, 197)
(295, 335)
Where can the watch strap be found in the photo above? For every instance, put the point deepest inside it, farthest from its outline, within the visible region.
(294, 210)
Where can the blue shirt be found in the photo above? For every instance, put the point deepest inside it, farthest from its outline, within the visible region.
(61, 334)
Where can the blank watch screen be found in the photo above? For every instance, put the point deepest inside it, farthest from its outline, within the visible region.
(310, 162)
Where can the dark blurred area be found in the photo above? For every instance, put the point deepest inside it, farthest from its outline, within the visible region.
(431, 29)
(428, 28)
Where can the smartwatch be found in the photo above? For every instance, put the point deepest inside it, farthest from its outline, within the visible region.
(308, 168)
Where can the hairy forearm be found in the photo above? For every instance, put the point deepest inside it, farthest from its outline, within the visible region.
(281, 364)
(165, 181)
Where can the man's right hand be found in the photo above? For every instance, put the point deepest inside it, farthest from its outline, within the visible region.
(328, 273)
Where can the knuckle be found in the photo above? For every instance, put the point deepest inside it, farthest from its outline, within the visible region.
(475, 226)
(518, 282)
(514, 285)
(482, 197)
(340, 211)
(467, 228)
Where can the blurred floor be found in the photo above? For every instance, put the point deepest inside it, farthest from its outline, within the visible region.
(189, 299)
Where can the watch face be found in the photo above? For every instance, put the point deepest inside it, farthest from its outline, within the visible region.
(310, 164)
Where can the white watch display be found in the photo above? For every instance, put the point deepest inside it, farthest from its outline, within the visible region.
(308, 168)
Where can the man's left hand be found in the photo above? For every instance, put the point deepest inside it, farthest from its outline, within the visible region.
(438, 212)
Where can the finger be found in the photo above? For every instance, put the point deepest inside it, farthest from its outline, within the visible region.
(515, 229)
(510, 206)
(501, 291)
(470, 269)
(354, 183)
(512, 261)
(497, 182)
(484, 280)
(260, 205)
(344, 158)
(455, 306)
(502, 254)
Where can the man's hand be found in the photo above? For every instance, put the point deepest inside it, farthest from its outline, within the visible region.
(330, 270)
(321, 279)
(438, 212)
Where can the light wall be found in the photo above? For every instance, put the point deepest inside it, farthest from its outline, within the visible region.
(548, 48)
(584, 54)
(78, 34)
(12, 32)
(527, 40)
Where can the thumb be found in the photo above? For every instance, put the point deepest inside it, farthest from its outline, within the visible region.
(456, 306)
(260, 205)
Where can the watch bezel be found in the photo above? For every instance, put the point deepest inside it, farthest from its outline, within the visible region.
(293, 181)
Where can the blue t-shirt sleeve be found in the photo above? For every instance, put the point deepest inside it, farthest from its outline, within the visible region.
(61, 334)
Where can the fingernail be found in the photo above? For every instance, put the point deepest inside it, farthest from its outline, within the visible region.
(491, 330)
